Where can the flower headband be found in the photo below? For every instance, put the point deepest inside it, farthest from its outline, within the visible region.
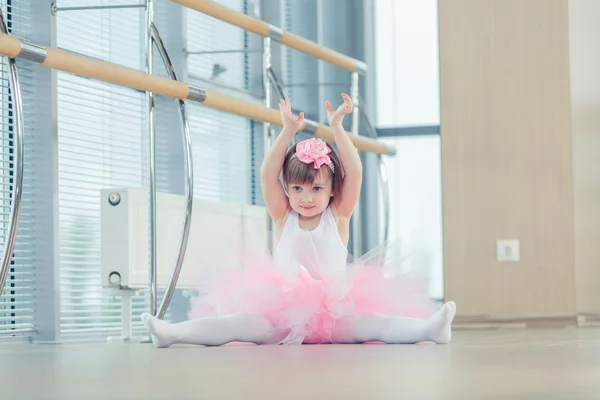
(314, 151)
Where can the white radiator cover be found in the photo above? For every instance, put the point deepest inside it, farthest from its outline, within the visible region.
(217, 229)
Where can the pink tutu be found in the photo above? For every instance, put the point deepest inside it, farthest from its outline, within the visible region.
(308, 308)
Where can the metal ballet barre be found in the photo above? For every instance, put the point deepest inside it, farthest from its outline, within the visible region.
(66, 61)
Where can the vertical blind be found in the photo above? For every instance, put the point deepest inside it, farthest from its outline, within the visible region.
(17, 301)
(102, 144)
(301, 70)
(101, 130)
(221, 141)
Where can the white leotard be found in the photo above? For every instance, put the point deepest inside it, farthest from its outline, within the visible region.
(318, 251)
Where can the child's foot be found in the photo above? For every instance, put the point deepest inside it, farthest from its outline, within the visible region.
(440, 324)
(159, 330)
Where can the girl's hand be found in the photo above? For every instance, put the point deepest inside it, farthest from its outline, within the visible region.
(287, 118)
(336, 117)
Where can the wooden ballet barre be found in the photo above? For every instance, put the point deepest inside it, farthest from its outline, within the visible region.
(265, 29)
(66, 61)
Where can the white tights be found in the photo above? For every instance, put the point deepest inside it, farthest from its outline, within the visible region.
(216, 331)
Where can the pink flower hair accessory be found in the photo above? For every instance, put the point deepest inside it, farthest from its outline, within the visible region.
(314, 151)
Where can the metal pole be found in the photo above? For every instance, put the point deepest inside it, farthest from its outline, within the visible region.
(322, 115)
(151, 157)
(356, 218)
(385, 193)
(56, 9)
(222, 52)
(267, 130)
(15, 204)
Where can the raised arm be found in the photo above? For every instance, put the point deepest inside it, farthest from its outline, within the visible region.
(272, 191)
(349, 157)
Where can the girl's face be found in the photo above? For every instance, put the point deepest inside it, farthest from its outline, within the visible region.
(311, 199)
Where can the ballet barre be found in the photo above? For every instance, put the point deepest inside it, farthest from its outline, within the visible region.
(265, 29)
(66, 61)
(62, 60)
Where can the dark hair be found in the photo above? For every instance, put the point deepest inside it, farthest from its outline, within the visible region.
(295, 171)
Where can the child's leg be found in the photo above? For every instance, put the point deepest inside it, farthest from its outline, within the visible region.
(213, 331)
(397, 330)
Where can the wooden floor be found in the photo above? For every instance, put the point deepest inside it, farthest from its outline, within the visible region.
(502, 364)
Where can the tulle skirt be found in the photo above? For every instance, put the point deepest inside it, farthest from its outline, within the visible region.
(308, 308)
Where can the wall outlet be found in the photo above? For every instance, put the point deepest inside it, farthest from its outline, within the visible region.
(507, 250)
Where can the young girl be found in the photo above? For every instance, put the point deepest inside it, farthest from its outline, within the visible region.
(308, 293)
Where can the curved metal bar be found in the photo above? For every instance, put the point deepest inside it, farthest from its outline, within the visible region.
(189, 182)
(15, 205)
(150, 97)
(385, 186)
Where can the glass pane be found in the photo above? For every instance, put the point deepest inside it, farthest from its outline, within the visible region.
(416, 205)
(407, 62)
(101, 131)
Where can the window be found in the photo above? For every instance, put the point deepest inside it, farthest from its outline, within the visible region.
(101, 130)
(102, 136)
(406, 63)
(407, 95)
(416, 205)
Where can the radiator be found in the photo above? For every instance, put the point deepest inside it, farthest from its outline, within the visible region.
(216, 231)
